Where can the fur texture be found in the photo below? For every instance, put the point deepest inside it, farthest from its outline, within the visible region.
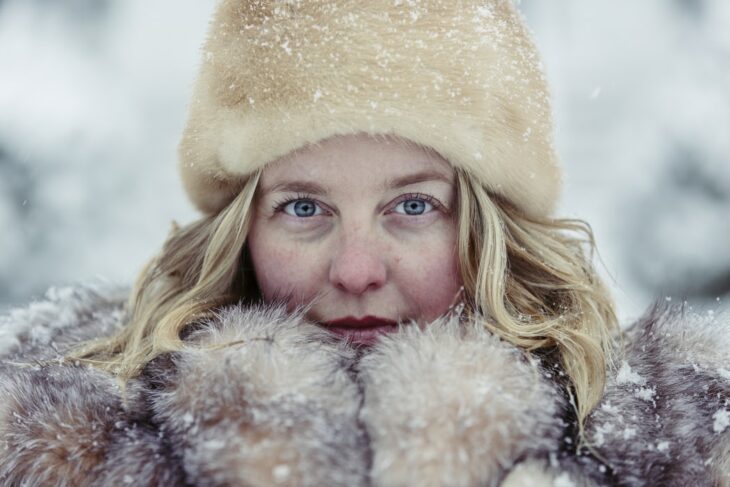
(261, 397)
(461, 77)
(666, 410)
(479, 407)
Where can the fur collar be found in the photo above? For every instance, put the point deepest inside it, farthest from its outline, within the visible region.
(260, 397)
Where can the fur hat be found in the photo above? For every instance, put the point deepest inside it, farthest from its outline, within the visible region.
(460, 76)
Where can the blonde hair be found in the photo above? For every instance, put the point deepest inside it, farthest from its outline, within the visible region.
(533, 281)
(529, 280)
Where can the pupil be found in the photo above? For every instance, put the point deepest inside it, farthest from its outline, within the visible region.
(414, 207)
(306, 207)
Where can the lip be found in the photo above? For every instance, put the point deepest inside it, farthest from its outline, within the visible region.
(361, 331)
(365, 322)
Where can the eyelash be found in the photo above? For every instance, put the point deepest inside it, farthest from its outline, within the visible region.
(281, 204)
(422, 197)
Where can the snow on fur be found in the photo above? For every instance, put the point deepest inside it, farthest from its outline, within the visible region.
(656, 418)
(67, 426)
(63, 310)
(261, 397)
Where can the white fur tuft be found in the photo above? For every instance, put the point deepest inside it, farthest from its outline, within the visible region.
(452, 405)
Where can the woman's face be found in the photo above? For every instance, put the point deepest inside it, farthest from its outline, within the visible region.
(367, 226)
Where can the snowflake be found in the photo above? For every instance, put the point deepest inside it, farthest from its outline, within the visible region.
(722, 420)
(627, 376)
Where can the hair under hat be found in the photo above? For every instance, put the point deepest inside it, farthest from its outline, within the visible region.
(460, 76)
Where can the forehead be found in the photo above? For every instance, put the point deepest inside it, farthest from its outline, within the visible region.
(359, 159)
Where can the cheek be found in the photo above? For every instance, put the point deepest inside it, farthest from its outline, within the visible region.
(430, 278)
(281, 269)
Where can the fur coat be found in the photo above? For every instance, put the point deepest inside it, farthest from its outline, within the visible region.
(261, 397)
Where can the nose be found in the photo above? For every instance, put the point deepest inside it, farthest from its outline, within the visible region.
(357, 265)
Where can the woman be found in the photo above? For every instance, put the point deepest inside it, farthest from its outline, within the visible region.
(377, 293)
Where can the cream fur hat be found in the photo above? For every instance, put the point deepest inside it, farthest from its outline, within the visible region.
(460, 76)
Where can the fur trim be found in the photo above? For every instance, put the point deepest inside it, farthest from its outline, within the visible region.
(63, 317)
(67, 426)
(464, 80)
(534, 473)
(720, 461)
(265, 400)
(260, 397)
(664, 413)
(452, 405)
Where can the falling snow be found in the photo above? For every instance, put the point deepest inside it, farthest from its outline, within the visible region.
(125, 107)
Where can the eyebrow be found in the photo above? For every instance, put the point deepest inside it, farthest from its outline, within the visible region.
(418, 177)
(393, 183)
(296, 187)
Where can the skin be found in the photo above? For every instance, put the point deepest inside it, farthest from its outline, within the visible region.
(359, 246)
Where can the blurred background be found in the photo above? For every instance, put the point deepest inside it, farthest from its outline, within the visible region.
(93, 96)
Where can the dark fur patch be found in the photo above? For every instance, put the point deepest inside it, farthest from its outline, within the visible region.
(66, 426)
(656, 418)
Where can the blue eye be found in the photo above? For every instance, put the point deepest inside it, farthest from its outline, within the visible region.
(414, 207)
(302, 208)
